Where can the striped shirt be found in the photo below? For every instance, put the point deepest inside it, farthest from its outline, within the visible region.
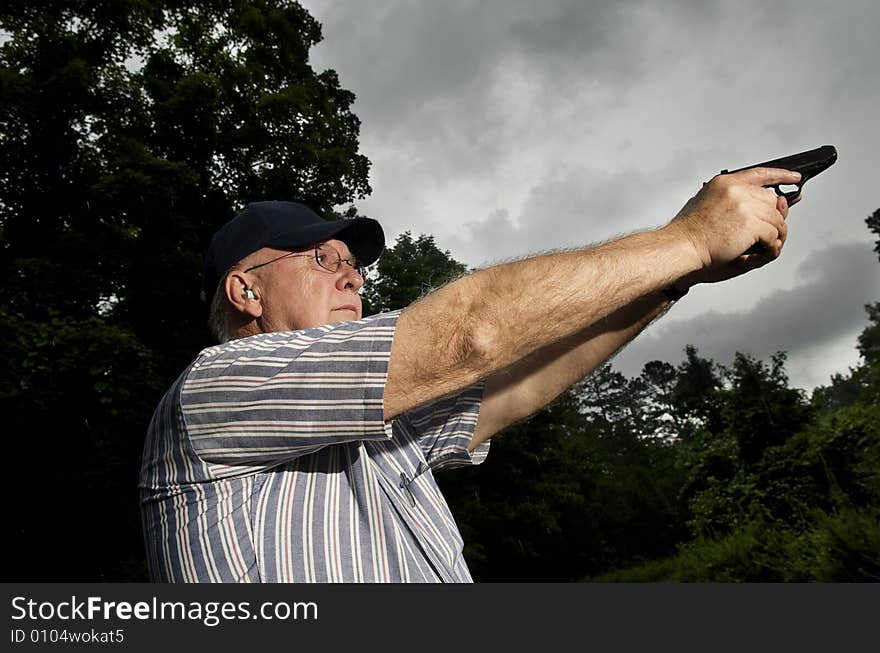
(268, 460)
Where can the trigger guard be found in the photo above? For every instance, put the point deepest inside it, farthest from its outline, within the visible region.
(791, 194)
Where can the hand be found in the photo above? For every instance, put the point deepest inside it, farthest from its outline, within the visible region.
(727, 216)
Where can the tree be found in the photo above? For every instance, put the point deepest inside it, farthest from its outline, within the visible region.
(862, 384)
(129, 131)
(659, 379)
(873, 222)
(695, 394)
(408, 270)
(729, 477)
(523, 513)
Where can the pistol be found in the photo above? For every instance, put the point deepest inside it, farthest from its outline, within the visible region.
(809, 164)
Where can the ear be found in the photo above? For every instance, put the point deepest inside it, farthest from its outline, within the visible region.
(242, 296)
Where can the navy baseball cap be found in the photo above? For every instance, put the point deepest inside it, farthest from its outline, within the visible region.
(285, 225)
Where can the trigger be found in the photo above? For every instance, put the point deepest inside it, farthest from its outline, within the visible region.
(789, 195)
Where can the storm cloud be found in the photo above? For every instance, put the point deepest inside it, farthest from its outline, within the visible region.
(837, 283)
(509, 127)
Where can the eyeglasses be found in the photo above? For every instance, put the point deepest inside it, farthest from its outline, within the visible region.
(326, 256)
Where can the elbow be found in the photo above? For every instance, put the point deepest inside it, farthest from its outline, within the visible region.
(467, 334)
(483, 340)
(479, 348)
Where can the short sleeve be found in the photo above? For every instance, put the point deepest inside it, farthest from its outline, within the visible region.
(274, 397)
(444, 429)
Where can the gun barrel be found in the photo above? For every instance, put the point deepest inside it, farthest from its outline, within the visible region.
(809, 163)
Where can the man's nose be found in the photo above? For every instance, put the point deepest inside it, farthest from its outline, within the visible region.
(351, 277)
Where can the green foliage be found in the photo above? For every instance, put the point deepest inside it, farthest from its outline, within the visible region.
(129, 131)
(873, 222)
(695, 394)
(731, 470)
(862, 385)
(664, 416)
(845, 547)
(408, 270)
(68, 395)
(569, 492)
(516, 509)
(805, 506)
(813, 513)
(869, 339)
(840, 547)
(759, 409)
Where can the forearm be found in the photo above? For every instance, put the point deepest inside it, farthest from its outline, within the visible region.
(487, 321)
(517, 392)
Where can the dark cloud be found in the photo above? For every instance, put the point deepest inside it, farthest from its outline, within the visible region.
(423, 70)
(829, 305)
(402, 58)
(458, 90)
(504, 127)
(574, 207)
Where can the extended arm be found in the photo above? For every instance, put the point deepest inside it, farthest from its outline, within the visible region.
(490, 320)
(516, 393)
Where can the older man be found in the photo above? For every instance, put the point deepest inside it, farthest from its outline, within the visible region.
(303, 448)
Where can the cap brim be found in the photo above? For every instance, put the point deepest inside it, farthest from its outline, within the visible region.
(364, 237)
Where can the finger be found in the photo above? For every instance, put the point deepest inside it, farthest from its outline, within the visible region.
(768, 234)
(766, 195)
(783, 233)
(763, 256)
(782, 206)
(772, 215)
(769, 176)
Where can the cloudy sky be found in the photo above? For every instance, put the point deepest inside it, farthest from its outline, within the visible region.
(505, 127)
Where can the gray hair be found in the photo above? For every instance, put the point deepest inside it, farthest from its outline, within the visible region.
(218, 319)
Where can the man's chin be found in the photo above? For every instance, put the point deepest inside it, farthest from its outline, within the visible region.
(343, 315)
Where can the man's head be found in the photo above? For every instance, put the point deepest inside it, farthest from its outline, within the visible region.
(279, 266)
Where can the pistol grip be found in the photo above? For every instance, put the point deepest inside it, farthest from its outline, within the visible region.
(757, 248)
(790, 196)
